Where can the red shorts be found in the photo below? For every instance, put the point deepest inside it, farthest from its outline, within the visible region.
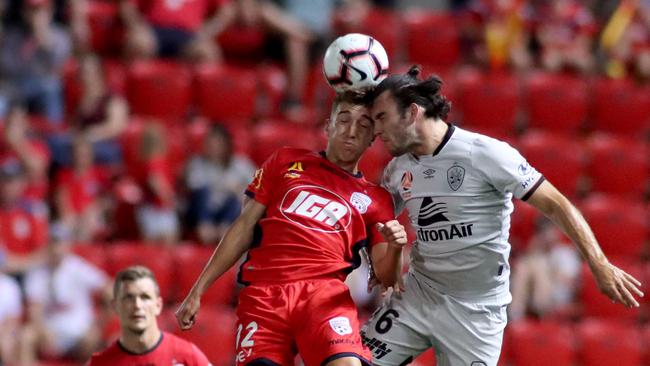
(315, 318)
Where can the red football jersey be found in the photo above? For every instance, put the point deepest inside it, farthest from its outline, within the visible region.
(170, 350)
(24, 228)
(317, 218)
(184, 14)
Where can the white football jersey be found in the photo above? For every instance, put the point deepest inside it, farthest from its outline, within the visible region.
(459, 201)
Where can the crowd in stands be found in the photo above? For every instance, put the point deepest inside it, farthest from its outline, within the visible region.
(130, 128)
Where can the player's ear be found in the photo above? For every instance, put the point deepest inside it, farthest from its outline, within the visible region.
(414, 110)
(159, 305)
(328, 126)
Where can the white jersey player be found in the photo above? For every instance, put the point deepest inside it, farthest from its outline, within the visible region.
(457, 187)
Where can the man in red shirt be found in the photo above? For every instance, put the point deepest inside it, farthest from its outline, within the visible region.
(306, 218)
(137, 301)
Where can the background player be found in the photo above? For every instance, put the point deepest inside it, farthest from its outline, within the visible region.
(309, 215)
(137, 301)
(457, 187)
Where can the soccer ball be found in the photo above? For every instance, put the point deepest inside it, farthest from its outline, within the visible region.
(355, 61)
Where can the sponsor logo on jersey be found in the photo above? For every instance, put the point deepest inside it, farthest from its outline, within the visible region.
(341, 325)
(291, 172)
(431, 212)
(429, 173)
(524, 168)
(528, 181)
(406, 183)
(360, 201)
(434, 212)
(316, 208)
(257, 179)
(455, 176)
(378, 348)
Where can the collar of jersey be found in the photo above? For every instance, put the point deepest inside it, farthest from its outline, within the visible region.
(126, 350)
(445, 139)
(324, 156)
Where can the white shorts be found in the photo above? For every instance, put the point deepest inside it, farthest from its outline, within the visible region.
(461, 333)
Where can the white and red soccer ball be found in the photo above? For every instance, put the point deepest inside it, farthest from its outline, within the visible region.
(354, 62)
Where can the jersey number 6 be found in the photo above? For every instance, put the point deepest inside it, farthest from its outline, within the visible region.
(385, 322)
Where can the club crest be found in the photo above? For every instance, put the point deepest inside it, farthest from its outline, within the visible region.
(455, 176)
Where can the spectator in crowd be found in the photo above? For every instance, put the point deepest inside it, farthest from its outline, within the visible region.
(77, 191)
(545, 276)
(31, 59)
(565, 31)
(100, 118)
(32, 154)
(156, 215)
(10, 315)
(23, 221)
(61, 318)
(174, 28)
(216, 180)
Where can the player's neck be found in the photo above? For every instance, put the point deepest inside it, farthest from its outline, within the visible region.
(430, 136)
(350, 167)
(140, 343)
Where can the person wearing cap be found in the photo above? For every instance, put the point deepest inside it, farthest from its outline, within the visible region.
(31, 59)
(61, 320)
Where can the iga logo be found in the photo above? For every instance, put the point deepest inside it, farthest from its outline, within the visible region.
(327, 211)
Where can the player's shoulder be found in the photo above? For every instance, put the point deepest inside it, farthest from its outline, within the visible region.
(481, 146)
(292, 153)
(177, 343)
(107, 356)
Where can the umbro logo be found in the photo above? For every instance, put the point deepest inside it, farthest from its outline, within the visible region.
(429, 173)
(431, 212)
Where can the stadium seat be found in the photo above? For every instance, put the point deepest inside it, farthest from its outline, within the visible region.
(114, 73)
(268, 136)
(373, 161)
(189, 261)
(559, 158)
(621, 107)
(378, 23)
(488, 101)
(618, 166)
(242, 44)
(619, 225)
(557, 103)
(608, 343)
(106, 34)
(214, 334)
(94, 253)
(159, 89)
(541, 344)
(523, 223)
(597, 305)
(432, 38)
(156, 257)
(225, 92)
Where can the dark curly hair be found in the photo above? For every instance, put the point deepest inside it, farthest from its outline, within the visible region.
(408, 88)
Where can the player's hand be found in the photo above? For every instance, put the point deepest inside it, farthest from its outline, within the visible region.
(186, 313)
(617, 284)
(393, 232)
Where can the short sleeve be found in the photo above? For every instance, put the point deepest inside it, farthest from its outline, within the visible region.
(505, 168)
(199, 357)
(384, 211)
(392, 188)
(261, 188)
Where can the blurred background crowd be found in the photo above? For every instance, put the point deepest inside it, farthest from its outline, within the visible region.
(130, 128)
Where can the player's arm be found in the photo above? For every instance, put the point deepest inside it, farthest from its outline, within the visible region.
(618, 285)
(235, 242)
(387, 256)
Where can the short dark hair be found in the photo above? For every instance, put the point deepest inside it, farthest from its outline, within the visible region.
(134, 273)
(408, 88)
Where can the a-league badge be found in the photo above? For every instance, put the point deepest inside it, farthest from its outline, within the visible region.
(455, 176)
(341, 325)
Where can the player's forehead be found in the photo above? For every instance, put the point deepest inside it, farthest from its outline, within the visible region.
(383, 100)
(352, 111)
(137, 287)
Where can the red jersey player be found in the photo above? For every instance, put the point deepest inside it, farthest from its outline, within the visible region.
(137, 301)
(307, 216)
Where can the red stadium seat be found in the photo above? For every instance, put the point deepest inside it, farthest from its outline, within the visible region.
(242, 43)
(556, 102)
(540, 344)
(377, 23)
(214, 333)
(92, 252)
(608, 343)
(597, 305)
(559, 158)
(224, 92)
(268, 136)
(622, 107)
(159, 89)
(189, 261)
(620, 226)
(155, 257)
(618, 166)
(373, 161)
(114, 74)
(523, 222)
(432, 38)
(105, 30)
(273, 80)
(488, 101)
